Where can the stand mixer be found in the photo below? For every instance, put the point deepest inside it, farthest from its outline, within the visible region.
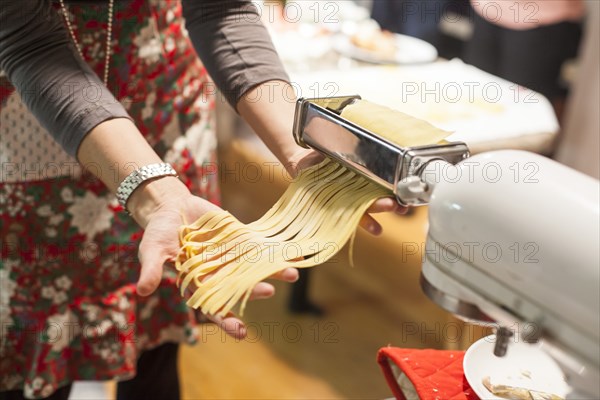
(513, 237)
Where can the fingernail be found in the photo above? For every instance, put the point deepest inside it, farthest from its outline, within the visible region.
(242, 332)
(296, 276)
(374, 229)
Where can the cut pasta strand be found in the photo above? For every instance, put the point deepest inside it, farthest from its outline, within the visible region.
(222, 259)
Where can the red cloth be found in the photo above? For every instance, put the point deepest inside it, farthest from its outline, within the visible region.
(435, 374)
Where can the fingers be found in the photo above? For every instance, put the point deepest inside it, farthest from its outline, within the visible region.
(401, 210)
(303, 159)
(262, 290)
(370, 225)
(287, 275)
(232, 325)
(387, 204)
(152, 260)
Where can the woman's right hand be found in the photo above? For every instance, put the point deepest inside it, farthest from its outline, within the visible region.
(161, 207)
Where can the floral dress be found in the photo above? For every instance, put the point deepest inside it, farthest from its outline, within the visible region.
(68, 307)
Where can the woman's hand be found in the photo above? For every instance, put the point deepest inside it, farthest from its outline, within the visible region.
(305, 158)
(161, 207)
(272, 118)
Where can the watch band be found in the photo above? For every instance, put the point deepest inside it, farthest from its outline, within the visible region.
(137, 177)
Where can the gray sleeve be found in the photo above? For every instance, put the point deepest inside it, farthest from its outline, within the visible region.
(233, 44)
(59, 88)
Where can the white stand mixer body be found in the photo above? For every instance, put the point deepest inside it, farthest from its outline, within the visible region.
(517, 235)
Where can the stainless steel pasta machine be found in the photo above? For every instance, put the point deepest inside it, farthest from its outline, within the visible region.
(319, 125)
(513, 237)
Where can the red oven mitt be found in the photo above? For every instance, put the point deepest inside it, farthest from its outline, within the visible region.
(434, 374)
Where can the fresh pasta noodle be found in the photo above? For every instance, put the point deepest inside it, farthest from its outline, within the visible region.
(221, 259)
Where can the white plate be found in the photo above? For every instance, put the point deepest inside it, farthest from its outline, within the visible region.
(410, 50)
(480, 361)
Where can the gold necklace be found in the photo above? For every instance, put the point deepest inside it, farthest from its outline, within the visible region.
(108, 35)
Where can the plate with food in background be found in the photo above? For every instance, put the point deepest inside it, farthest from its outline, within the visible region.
(368, 43)
(525, 372)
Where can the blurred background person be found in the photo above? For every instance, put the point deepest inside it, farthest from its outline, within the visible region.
(425, 20)
(579, 145)
(526, 42)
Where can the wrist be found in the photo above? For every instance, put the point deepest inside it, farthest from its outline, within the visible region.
(152, 195)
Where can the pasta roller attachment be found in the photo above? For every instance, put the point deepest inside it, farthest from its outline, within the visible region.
(319, 125)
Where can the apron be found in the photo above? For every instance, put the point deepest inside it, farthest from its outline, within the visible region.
(68, 308)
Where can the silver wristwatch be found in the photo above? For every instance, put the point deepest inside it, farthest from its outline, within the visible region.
(137, 177)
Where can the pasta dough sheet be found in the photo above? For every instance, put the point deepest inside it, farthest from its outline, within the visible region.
(222, 259)
(393, 125)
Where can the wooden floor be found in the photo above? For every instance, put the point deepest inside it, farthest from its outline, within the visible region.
(375, 304)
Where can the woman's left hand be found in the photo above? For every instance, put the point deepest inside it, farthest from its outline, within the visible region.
(161, 220)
